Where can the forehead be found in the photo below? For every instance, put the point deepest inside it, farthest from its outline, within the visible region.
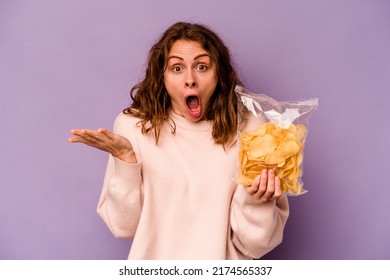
(186, 48)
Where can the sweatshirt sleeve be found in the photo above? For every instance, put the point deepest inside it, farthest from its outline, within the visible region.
(257, 227)
(121, 197)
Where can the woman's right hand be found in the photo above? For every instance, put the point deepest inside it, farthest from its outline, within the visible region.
(105, 140)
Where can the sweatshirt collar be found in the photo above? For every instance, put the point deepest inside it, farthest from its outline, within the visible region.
(184, 123)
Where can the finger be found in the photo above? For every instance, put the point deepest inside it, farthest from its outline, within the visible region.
(270, 186)
(262, 185)
(86, 136)
(82, 132)
(94, 137)
(252, 189)
(77, 136)
(74, 139)
(90, 138)
(278, 189)
(76, 131)
(89, 132)
(107, 133)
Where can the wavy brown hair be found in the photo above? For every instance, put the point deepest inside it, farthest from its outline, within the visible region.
(151, 102)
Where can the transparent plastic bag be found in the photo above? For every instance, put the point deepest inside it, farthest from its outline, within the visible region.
(272, 135)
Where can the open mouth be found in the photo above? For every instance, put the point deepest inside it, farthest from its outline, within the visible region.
(193, 106)
(192, 102)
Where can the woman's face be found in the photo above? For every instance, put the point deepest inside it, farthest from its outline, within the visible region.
(190, 79)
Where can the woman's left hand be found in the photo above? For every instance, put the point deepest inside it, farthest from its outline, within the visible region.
(266, 186)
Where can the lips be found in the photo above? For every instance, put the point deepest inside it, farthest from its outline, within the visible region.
(193, 106)
(192, 102)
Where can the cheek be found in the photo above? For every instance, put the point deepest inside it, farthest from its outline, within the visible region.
(172, 91)
(169, 82)
(213, 80)
(212, 85)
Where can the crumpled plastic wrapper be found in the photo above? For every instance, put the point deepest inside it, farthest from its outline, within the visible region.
(272, 135)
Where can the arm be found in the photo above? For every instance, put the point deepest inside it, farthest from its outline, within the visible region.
(257, 222)
(120, 200)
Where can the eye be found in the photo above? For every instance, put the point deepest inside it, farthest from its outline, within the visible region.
(176, 68)
(202, 67)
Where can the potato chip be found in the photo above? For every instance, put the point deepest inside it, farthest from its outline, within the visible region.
(272, 135)
(273, 147)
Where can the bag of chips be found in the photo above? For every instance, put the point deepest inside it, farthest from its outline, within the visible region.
(272, 135)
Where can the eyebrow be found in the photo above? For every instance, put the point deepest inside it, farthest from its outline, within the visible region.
(196, 57)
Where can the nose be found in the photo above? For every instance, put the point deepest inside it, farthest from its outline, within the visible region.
(190, 80)
(190, 85)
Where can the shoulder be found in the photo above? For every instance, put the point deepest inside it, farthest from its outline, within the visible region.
(126, 118)
(125, 122)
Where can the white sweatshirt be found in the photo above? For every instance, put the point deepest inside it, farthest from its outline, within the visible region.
(180, 201)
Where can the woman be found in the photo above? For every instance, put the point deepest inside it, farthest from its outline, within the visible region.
(170, 182)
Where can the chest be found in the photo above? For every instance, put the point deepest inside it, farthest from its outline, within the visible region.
(187, 161)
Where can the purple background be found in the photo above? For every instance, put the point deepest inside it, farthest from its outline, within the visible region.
(68, 64)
